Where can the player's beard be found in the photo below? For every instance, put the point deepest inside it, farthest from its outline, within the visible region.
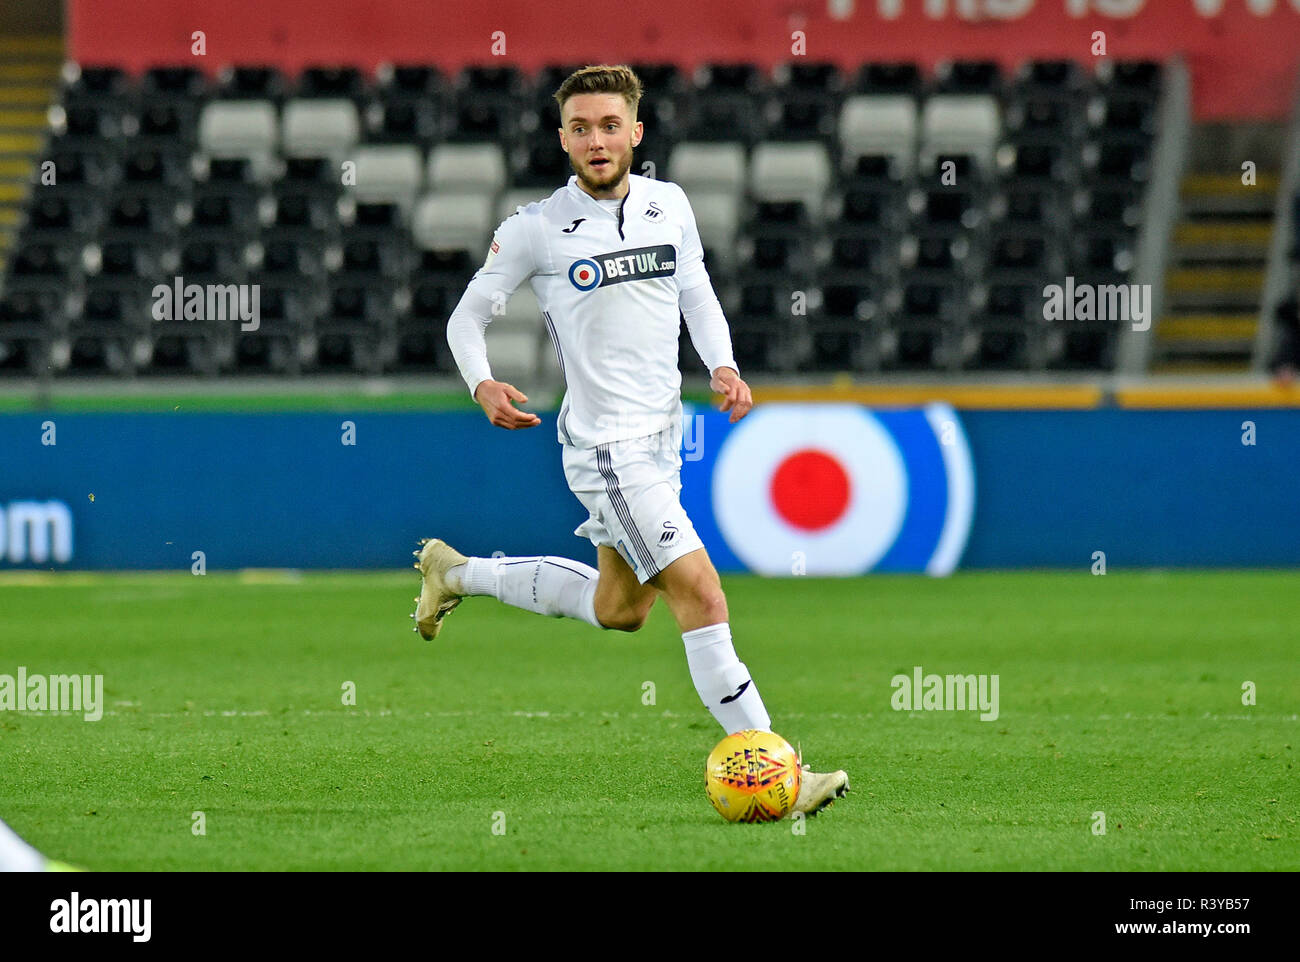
(620, 171)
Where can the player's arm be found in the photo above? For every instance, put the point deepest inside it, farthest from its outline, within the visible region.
(705, 321)
(509, 263)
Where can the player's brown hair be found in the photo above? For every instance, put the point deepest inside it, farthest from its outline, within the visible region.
(602, 79)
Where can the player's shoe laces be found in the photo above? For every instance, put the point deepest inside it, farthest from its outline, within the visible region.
(436, 599)
(817, 790)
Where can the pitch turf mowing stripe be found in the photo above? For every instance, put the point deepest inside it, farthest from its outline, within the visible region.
(1119, 693)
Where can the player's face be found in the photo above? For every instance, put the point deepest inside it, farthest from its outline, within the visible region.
(598, 133)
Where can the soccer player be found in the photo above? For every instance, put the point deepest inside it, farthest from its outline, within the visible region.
(613, 258)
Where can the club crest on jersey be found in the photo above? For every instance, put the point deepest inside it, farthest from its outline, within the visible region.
(653, 213)
(584, 274)
(638, 263)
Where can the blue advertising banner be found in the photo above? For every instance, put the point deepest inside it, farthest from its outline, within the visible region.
(793, 489)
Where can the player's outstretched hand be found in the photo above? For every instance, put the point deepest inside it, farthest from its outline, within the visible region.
(735, 393)
(497, 398)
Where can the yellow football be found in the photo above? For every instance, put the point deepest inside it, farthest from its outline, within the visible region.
(752, 776)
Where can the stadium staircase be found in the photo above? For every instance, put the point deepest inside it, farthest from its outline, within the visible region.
(29, 75)
(1218, 260)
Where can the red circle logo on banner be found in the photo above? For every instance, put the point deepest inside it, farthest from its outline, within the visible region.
(810, 489)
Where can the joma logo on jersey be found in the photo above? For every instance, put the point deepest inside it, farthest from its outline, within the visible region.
(639, 263)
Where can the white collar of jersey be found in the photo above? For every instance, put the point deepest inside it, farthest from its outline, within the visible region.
(573, 188)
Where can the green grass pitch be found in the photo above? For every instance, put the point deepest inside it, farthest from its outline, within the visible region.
(1119, 694)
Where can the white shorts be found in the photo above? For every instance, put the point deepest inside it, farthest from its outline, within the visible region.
(630, 488)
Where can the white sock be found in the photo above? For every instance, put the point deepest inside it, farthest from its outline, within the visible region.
(16, 855)
(718, 675)
(559, 587)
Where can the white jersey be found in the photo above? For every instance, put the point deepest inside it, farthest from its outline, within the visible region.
(609, 282)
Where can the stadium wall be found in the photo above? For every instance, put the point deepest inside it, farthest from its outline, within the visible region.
(931, 487)
(1242, 55)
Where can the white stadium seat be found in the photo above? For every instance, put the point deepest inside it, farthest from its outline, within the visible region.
(968, 124)
(241, 128)
(797, 171)
(708, 166)
(453, 221)
(717, 215)
(388, 174)
(475, 167)
(879, 125)
(320, 128)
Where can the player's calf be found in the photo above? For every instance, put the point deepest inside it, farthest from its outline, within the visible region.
(544, 585)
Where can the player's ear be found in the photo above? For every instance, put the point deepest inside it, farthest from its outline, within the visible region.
(637, 133)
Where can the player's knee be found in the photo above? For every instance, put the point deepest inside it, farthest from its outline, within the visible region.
(710, 604)
(624, 619)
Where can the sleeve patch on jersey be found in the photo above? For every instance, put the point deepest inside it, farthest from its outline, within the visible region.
(492, 252)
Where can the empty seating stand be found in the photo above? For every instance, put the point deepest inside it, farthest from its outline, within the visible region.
(872, 219)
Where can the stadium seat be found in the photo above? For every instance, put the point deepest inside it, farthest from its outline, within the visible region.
(103, 88)
(316, 176)
(330, 83)
(879, 125)
(539, 162)
(1122, 112)
(968, 77)
(935, 255)
(723, 116)
(758, 309)
(251, 82)
(404, 81)
(782, 172)
(388, 174)
(1115, 161)
(408, 122)
(704, 166)
(478, 168)
(808, 76)
(154, 173)
(1031, 118)
(320, 128)
(657, 79)
(889, 78)
(960, 124)
(1142, 78)
(454, 221)
(844, 322)
(1044, 165)
(1051, 78)
(801, 116)
(717, 217)
(241, 128)
(183, 84)
(871, 206)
